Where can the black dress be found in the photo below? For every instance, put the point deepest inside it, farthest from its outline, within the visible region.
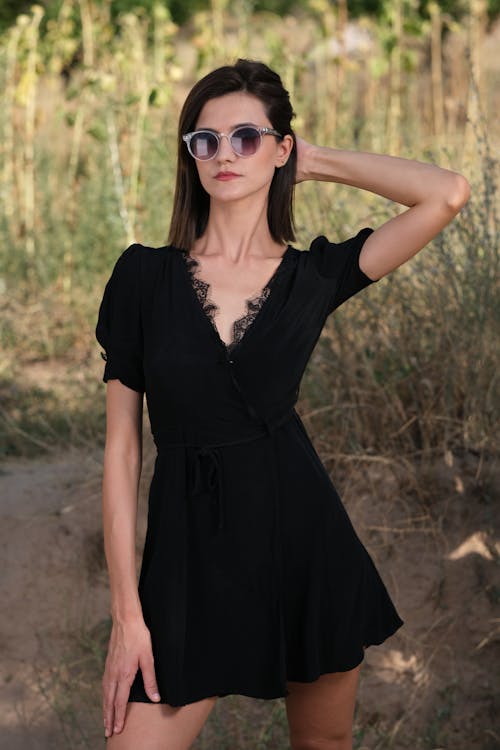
(252, 573)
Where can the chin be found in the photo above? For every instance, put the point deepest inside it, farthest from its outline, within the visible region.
(229, 191)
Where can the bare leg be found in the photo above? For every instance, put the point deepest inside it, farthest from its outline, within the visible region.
(151, 726)
(320, 713)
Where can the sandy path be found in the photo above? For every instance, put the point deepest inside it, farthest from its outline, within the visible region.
(431, 686)
(50, 550)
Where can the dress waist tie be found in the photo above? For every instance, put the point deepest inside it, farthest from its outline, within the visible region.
(212, 481)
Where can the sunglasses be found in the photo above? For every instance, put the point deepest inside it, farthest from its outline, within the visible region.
(245, 140)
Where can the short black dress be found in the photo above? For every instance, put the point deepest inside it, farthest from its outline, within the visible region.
(252, 573)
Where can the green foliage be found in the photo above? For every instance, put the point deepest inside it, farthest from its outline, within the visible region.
(365, 7)
(9, 9)
(182, 11)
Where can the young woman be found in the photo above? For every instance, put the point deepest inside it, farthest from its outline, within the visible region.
(253, 580)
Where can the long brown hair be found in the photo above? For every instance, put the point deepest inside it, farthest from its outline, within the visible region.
(191, 201)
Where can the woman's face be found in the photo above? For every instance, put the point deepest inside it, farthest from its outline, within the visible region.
(253, 173)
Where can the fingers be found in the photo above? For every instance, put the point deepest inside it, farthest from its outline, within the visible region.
(149, 677)
(129, 650)
(116, 691)
(121, 699)
(109, 691)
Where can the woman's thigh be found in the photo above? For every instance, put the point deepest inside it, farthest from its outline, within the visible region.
(321, 713)
(158, 726)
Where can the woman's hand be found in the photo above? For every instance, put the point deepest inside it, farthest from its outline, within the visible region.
(129, 648)
(303, 152)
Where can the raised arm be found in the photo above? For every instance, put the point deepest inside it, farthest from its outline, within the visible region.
(130, 643)
(434, 196)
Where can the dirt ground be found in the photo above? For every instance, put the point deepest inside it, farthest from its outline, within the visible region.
(430, 531)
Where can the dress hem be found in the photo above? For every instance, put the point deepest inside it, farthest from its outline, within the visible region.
(272, 695)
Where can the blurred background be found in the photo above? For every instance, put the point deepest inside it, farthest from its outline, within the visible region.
(401, 394)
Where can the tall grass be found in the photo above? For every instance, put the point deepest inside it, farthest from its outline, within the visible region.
(87, 151)
(412, 368)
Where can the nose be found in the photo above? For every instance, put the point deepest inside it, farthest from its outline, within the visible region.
(225, 149)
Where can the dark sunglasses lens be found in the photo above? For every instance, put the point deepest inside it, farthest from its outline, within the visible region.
(204, 145)
(245, 141)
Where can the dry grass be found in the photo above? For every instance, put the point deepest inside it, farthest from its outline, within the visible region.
(86, 165)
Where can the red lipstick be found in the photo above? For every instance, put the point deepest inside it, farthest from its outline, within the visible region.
(226, 176)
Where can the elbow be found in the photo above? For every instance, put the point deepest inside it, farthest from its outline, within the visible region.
(125, 452)
(458, 194)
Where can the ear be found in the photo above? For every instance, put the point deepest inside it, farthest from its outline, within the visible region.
(283, 150)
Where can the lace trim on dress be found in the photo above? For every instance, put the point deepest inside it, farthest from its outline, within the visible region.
(253, 304)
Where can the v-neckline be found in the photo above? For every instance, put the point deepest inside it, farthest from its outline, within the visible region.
(268, 286)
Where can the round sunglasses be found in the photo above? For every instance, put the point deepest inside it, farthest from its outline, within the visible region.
(245, 140)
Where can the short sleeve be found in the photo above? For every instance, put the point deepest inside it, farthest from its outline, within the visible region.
(338, 262)
(119, 324)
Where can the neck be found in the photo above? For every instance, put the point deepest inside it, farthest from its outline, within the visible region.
(238, 229)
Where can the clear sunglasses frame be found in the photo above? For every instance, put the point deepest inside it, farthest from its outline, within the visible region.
(261, 131)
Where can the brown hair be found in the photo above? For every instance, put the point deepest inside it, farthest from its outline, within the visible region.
(191, 201)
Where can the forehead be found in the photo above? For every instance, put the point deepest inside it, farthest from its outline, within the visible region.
(229, 110)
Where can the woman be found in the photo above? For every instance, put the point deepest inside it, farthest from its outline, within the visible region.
(253, 580)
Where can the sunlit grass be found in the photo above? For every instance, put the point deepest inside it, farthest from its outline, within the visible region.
(87, 165)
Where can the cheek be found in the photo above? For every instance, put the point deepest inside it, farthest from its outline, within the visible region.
(265, 171)
(266, 163)
(203, 175)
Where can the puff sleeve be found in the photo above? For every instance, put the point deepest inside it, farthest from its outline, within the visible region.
(119, 324)
(338, 265)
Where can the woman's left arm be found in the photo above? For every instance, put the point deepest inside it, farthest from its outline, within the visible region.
(434, 196)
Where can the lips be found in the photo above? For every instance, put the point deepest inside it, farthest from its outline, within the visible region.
(226, 175)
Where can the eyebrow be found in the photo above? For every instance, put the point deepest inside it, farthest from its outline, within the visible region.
(231, 127)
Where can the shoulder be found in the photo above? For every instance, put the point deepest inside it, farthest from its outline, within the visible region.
(330, 257)
(138, 258)
(136, 252)
(128, 262)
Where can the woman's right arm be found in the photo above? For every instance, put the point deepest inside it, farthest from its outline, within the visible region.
(130, 642)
